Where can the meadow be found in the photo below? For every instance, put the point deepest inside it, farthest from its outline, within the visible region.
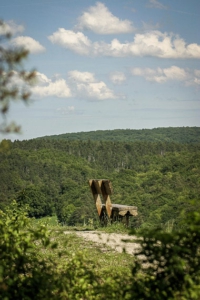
(40, 261)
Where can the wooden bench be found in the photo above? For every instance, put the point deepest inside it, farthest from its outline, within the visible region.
(101, 190)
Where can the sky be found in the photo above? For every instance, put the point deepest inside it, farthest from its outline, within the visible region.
(110, 64)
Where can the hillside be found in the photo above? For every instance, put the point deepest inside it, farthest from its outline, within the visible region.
(170, 134)
(161, 178)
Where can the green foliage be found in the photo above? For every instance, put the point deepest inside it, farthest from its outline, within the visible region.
(38, 206)
(34, 267)
(23, 274)
(161, 179)
(170, 264)
(176, 134)
(116, 227)
(65, 212)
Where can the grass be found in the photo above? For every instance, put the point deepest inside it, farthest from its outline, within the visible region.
(102, 259)
(52, 223)
(115, 228)
(47, 221)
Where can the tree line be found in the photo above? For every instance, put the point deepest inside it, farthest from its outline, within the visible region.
(169, 134)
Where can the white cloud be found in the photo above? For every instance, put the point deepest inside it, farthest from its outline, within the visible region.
(28, 43)
(100, 20)
(117, 77)
(66, 110)
(46, 87)
(96, 90)
(11, 27)
(155, 43)
(159, 75)
(156, 4)
(175, 73)
(75, 41)
(87, 86)
(42, 79)
(85, 77)
(80, 84)
(152, 43)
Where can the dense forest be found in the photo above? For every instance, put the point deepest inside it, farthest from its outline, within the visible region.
(171, 134)
(51, 175)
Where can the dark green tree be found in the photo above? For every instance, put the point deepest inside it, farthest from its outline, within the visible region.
(34, 198)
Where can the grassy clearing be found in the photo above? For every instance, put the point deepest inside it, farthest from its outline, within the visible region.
(52, 223)
(47, 221)
(64, 266)
(101, 258)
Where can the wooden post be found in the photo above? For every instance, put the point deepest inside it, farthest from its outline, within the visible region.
(96, 196)
(127, 220)
(108, 204)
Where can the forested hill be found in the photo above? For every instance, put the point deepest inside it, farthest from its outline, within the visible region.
(170, 134)
(160, 178)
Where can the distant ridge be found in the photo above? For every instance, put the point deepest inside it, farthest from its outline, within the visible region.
(169, 134)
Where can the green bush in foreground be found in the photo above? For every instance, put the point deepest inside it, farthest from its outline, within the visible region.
(170, 266)
(25, 273)
(31, 268)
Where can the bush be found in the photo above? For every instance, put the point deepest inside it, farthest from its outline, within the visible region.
(26, 273)
(167, 266)
(170, 265)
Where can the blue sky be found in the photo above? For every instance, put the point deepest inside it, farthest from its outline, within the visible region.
(107, 65)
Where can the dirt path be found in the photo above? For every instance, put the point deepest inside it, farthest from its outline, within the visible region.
(113, 240)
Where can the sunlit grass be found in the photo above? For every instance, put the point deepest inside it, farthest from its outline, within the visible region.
(100, 257)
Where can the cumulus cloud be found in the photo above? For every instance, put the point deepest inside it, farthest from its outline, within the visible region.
(100, 20)
(75, 41)
(42, 79)
(86, 85)
(156, 4)
(85, 77)
(11, 27)
(78, 84)
(46, 87)
(117, 77)
(28, 43)
(153, 43)
(160, 75)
